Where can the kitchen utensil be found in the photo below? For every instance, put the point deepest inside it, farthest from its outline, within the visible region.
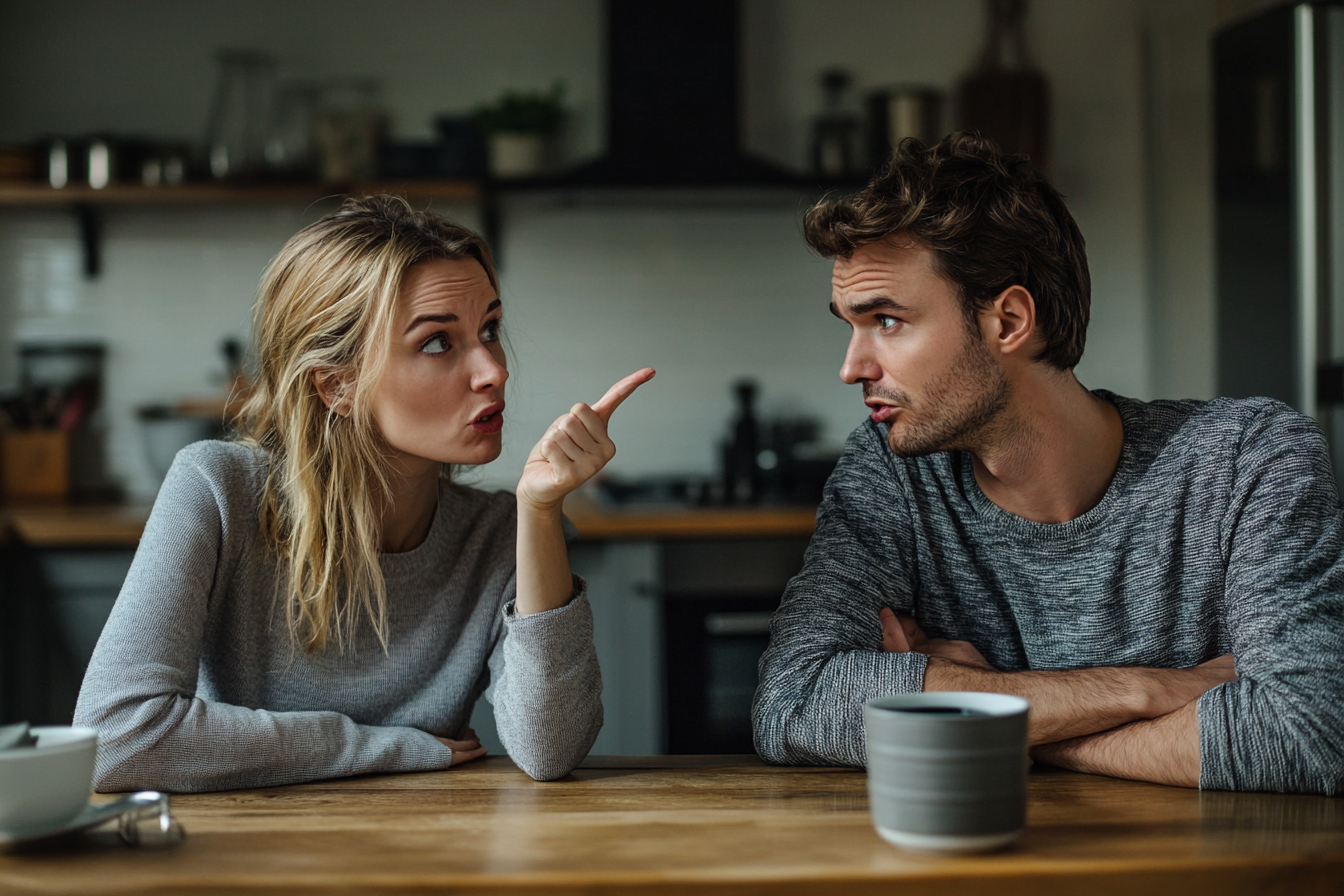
(167, 432)
(895, 113)
(143, 819)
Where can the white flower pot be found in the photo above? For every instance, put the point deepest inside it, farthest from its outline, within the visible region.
(517, 155)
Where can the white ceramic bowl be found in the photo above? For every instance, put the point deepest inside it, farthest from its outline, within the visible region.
(45, 786)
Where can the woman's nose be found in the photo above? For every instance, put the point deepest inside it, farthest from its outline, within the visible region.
(488, 372)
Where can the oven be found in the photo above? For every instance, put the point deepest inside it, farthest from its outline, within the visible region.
(717, 599)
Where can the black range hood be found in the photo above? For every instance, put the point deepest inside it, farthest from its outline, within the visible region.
(672, 72)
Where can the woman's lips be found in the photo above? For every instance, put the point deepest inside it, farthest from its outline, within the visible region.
(490, 421)
(880, 413)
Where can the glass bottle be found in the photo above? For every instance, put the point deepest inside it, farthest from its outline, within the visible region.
(240, 114)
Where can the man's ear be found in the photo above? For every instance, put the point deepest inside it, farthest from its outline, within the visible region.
(1012, 316)
(332, 389)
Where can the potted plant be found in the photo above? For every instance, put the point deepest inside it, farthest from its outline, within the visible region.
(521, 128)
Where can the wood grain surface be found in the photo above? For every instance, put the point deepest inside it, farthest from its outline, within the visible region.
(74, 525)
(718, 825)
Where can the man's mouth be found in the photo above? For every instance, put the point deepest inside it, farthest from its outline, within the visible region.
(879, 413)
(491, 420)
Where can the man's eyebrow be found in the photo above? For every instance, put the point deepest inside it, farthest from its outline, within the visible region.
(868, 306)
(446, 318)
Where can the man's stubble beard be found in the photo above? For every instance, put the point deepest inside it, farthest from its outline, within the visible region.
(957, 412)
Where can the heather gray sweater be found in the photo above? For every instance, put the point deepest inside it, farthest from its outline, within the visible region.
(194, 685)
(1220, 532)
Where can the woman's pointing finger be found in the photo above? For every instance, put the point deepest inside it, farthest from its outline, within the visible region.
(620, 392)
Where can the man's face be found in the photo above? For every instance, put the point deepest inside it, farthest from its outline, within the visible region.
(924, 372)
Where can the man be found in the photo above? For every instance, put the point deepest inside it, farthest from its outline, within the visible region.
(1162, 581)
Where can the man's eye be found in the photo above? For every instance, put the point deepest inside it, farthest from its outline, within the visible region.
(886, 321)
(435, 345)
(491, 333)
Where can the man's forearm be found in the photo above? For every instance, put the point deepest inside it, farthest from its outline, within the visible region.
(1164, 750)
(1073, 703)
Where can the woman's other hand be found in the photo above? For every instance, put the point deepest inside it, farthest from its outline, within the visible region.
(463, 750)
(574, 447)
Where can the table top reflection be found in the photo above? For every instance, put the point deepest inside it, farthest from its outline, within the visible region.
(710, 824)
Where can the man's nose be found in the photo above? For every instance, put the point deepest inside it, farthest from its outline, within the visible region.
(859, 364)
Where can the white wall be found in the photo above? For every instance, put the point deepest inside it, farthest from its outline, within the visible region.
(707, 287)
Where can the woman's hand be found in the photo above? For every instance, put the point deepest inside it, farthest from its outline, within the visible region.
(463, 750)
(574, 447)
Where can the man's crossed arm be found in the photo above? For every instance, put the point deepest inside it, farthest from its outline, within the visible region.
(1130, 722)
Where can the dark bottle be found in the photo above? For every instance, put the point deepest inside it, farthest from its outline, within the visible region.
(741, 473)
(835, 131)
(1006, 97)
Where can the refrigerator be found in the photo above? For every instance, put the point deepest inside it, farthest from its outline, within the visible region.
(1279, 197)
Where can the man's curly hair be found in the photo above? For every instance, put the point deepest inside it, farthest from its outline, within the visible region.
(990, 219)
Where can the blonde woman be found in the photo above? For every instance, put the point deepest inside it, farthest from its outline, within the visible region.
(319, 599)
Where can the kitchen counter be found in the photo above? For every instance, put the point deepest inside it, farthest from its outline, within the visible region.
(63, 526)
(694, 824)
(73, 525)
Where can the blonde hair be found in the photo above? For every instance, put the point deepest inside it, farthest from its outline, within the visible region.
(326, 306)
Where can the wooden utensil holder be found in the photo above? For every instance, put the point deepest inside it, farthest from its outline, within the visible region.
(34, 464)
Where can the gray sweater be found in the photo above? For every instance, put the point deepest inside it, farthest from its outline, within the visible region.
(1220, 532)
(194, 684)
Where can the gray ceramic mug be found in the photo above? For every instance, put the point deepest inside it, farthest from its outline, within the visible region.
(947, 772)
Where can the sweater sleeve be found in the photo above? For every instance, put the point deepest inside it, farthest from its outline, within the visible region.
(825, 657)
(546, 687)
(140, 690)
(1280, 725)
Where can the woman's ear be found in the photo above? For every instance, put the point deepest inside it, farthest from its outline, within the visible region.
(332, 389)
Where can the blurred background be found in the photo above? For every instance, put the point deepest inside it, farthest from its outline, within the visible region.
(641, 169)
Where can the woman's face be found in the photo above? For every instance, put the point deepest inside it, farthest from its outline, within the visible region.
(440, 398)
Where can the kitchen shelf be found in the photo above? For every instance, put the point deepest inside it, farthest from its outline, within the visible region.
(33, 195)
(87, 203)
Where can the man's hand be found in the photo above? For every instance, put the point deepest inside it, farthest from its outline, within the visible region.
(901, 634)
(1066, 703)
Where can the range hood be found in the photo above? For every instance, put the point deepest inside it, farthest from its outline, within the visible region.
(672, 70)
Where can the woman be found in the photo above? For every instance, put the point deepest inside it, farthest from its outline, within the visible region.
(318, 599)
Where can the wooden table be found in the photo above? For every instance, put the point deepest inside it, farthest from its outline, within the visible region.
(716, 824)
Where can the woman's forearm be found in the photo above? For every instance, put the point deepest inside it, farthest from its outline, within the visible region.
(544, 580)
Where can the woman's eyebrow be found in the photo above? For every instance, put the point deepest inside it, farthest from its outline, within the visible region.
(446, 318)
(432, 319)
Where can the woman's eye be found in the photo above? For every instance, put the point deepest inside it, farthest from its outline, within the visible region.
(491, 333)
(435, 345)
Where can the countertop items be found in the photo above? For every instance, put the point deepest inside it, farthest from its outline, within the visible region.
(699, 824)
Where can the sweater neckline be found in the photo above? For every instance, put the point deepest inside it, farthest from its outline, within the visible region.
(429, 547)
(989, 514)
